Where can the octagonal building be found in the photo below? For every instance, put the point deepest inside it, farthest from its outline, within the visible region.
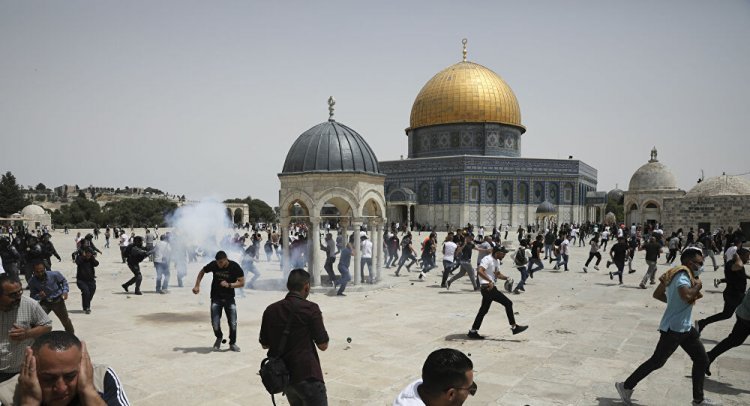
(465, 163)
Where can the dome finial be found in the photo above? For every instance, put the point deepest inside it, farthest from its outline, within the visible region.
(464, 41)
(331, 103)
(653, 155)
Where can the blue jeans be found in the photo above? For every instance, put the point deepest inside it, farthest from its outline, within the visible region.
(345, 278)
(547, 250)
(620, 267)
(362, 263)
(524, 276)
(539, 265)
(307, 393)
(162, 276)
(563, 260)
(230, 309)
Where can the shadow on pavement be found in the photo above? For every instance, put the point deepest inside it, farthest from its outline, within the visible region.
(171, 317)
(197, 350)
(600, 401)
(463, 337)
(721, 387)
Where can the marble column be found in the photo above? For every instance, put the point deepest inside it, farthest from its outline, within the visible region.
(357, 253)
(284, 240)
(313, 249)
(378, 260)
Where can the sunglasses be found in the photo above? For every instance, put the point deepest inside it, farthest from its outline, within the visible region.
(471, 388)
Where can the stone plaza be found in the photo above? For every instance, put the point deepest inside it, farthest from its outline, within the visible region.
(585, 332)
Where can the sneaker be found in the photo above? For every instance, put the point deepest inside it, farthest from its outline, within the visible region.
(611, 277)
(609, 263)
(516, 291)
(137, 292)
(448, 285)
(716, 283)
(706, 402)
(619, 283)
(474, 335)
(519, 329)
(642, 285)
(531, 274)
(521, 289)
(708, 369)
(586, 270)
(596, 267)
(652, 282)
(88, 311)
(421, 276)
(625, 394)
(340, 294)
(556, 268)
(164, 291)
(217, 344)
(158, 290)
(234, 347)
(125, 287)
(631, 271)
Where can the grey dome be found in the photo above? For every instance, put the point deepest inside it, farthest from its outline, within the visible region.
(615, 194)
(546, 208)
(723, 185)
(330, 147)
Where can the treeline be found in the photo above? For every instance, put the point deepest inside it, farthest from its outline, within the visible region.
(142, 212)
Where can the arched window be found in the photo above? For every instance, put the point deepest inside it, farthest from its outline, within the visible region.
(455, 192)
(439, 192)
(424, 193)
(474, 191)
(523, 193)
(651, 205)
(633, 207)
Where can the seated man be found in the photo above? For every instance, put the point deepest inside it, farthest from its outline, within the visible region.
(57, 370)
(447, 379)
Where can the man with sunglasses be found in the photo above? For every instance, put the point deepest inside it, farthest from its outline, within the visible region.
(447, 379)
(682, 289)
(21, 320)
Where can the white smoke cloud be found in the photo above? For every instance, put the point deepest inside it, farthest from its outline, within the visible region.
(205, 225)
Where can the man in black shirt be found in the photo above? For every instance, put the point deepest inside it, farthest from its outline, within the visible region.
(653, 249)
(734, 273)
(618, 253)
(228, 275)
(306, 331)
(464, 252)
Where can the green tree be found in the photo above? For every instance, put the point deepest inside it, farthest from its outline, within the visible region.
(138, 212)
(12, 199)
(40, 187)
(80, 213)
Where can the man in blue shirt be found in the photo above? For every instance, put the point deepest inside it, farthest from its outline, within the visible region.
(683, 289)
(50, 288)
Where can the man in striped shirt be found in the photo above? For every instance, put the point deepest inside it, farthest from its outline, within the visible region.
(21, 320)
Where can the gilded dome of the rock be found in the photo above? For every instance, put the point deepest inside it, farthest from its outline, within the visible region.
(465, 93)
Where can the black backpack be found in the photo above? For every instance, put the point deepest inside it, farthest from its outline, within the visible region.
(273, 371)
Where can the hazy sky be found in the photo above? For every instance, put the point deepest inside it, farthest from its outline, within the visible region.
(205, 98)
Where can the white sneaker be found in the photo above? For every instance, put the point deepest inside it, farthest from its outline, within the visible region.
(706, 402)
(596, 267)
(625, 394)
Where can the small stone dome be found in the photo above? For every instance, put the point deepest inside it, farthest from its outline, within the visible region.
(615, 194)
(652, 176)
(32, 210)
(330, 147)
(546, 208)
(723, 185)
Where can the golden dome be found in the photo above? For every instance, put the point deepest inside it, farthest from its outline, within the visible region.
(465, 93)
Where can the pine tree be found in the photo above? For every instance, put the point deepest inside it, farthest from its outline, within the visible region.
(11, 197)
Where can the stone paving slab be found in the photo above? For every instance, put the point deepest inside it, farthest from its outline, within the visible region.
(585, 333)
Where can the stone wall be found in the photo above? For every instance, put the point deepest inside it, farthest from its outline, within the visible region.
(718, 211)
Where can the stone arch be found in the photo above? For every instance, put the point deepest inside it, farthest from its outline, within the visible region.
(633, 207)
(229, 214)
(651, 204)
(300, 198)
(239, 216)
(377, 198)
(372, 207)
(342, 198)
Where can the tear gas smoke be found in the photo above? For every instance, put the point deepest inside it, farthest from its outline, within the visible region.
(205, 227)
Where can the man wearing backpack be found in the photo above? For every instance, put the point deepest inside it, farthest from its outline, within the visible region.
(306, 385)
(520, 260)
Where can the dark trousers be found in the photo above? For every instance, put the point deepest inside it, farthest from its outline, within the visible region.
(307, 393)
(731, 301)
(230, 309)
(448, 267)
(137, 277)
(58, 307)
(593, 255)
(620, 268)
(329, 268)
(672, 255)
(88, 288)
(489, 296)
(739, 334)
(668, 343)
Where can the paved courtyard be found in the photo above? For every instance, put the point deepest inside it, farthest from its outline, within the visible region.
(585, 332)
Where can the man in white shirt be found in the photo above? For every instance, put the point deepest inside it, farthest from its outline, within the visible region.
(447, 379)
(489, 273)
(564, 253)
(366, 246)
(449, 251)
(161, 264)
(123, 244)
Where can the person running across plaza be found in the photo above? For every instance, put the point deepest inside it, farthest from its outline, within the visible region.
(50, 289)
(227, 275)
(464, 251)
(520, 260)
(86, 277)
(428, 254)
(449, 259)
(653, 249)
(407, 253)
(734, 273)
(564, 253)
(739, 334)
(135, 255)
(535, 262)
(618, 252)
(489, 273)
(682, 288)
(330, 249)
(593, 253)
